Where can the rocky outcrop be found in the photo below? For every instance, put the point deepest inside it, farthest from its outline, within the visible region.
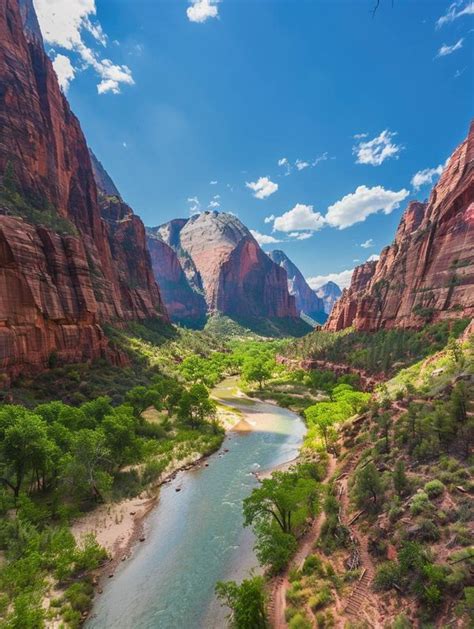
(223, 262)
(329, 293)
(427, 274)
(307, 301)
(64, 269)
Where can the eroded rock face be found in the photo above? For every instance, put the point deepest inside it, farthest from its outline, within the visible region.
(222, 261)
(307, 301)
(427, 274)
(329, 293)
(64, 269)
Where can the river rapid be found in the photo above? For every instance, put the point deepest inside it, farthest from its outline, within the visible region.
(195, 537)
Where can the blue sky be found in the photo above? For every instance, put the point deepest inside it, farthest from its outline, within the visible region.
(174, 95)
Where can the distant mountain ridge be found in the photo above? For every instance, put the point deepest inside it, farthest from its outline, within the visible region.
(217, 257)
(307, 301)
(427, 273)
(329, 293)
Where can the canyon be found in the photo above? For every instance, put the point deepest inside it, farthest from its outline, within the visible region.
(427, 273)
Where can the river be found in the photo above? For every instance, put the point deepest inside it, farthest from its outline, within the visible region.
(195, 537)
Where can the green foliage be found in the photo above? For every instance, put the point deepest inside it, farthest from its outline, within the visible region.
(434, 488)
(368, 488)
(246, 601)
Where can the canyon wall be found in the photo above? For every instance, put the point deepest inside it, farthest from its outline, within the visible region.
(427, 273)
(65, 267)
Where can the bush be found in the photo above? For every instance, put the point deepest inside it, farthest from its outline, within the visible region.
(387, 575)
(319, 600)
(420, 503)
(434, 488)
(79, 596)
(299, 621)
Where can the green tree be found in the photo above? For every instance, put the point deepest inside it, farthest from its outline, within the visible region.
(278, 498)
(196, 406)
(399, 477)
(246, 602)
(86, 467)
(368, 488)
(258, 369)
(25, 447)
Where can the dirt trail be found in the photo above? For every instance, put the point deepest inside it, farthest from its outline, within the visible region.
(281, 585)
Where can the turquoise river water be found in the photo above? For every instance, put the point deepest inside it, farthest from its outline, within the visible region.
(196, 537)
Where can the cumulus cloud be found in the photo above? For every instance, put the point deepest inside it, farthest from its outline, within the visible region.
(300, 218)
(262, 188)
(264, 239)
(456, 10)
(213, 182)
(367, 244)
(373, 258)
(426, 176)
(446, 50)
(342, 279)
(202, 10)
(63, 25)
(64, 71)
(269, 219)
(320, 158)
(377, 150)
(213, 205)
(357, 206)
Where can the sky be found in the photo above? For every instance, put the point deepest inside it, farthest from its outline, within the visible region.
(314, 121)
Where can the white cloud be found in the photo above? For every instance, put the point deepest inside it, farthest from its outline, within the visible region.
(202, 10)
(301, 164)
(285, 164)
(216, 196)
(342, 279)
(373, 258)
(367, 244)
(262, 188)
(213, 205)
(194, 205)
(357, 206)
(213, 182)
(300, 235)
(377, 150)
(359, 136)
(264, 239)
(320, 158)
(426, 176)
(63, 25)
(446, 50)
(64, 71)
(269, 219)
(455, 11)
(300, 218)
(124, 144)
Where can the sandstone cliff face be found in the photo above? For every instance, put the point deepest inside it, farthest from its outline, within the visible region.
(63, 268)
(222, 261)
(427, 274)
(307, 301)
(329, 293)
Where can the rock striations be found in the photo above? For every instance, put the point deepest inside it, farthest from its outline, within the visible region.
(427, 274)
(221, 262)
(329, 293)
(64, 268)
(307, 301)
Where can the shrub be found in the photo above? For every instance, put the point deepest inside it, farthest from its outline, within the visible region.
(319, 600)
(387, 575)
(299, 621)
(313, 565)
(420, 503)
(79, 595)
(434, 488)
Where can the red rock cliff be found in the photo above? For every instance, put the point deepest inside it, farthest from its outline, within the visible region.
(63, 268)
(221, 260)
(427, 274)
